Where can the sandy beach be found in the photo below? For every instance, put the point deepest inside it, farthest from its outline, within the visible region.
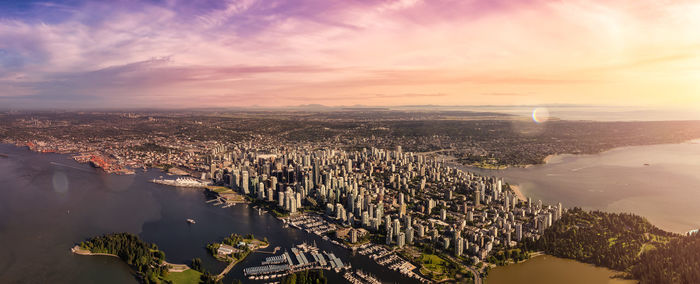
(518, 193)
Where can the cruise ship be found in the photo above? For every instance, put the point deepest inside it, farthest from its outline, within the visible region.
(182, 182)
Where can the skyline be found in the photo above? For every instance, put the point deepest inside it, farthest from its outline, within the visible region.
(176, 54)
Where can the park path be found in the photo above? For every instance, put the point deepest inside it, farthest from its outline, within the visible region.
(172, 267)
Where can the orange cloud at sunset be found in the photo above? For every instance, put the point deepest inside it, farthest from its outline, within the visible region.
(643, 53)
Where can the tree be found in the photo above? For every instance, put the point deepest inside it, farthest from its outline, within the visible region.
(197, 264)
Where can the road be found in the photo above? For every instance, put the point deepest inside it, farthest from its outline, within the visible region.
(477, 278)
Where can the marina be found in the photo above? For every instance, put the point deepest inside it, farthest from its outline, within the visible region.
(302, 257)
(360, 277)
(314, 224)
(391, 260)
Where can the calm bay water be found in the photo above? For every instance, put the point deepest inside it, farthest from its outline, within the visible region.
(48, 203)
(547, 269)
(666, 190)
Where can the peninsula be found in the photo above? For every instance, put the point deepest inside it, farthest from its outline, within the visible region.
(624, 242)
(146, 260)
(234, 249)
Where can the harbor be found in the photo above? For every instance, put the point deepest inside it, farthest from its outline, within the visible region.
(302, 257)
(389, 259)
(162, 221)
(360, 277)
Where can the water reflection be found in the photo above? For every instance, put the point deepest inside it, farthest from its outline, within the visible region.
(40, 223)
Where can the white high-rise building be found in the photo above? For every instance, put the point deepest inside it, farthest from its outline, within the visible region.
(459, 246)
(244, 182)
(389, 235)
(273, 183)
(270, 195)
(292, 205)
(261, 191)
(396, 227)
(420, 230)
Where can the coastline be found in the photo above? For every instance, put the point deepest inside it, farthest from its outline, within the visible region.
(230, 266)
(80, 251)
(172, 267)
(549, 158)
(518, 191)
(615, 276)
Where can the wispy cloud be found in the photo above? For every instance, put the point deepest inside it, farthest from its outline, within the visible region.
(246, 52)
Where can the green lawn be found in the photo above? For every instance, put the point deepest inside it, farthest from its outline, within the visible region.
(186, 277)
(433, 263)
(219, 189)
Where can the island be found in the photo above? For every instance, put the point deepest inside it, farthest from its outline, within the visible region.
(234, 248)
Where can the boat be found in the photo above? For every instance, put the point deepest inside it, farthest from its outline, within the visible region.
(3, 155)
(191, 221)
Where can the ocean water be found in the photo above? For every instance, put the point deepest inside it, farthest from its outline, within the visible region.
(48, 203)
(659, 182)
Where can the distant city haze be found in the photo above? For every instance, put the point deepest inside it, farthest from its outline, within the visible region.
(173, 54)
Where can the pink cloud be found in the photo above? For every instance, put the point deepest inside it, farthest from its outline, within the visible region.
(281, 52)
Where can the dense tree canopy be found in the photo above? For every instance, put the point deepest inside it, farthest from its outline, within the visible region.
(624, 242)
(678, 261)
(145, 259)
(612, 240)
(305, 277)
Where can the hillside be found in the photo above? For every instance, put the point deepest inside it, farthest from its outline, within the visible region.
(624, 242)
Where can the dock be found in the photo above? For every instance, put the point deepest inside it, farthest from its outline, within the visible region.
(274, 251)
(299, 258)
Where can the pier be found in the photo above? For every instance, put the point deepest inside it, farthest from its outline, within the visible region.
(302, 257)
(274, 251)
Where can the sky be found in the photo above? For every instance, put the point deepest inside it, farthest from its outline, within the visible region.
(185, 53)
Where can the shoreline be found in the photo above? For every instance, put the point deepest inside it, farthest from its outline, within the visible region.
(79, 251)
(615, 274)
(230, 266)
(546, 160)
(172, 267)
(518, 191)
(549, 158)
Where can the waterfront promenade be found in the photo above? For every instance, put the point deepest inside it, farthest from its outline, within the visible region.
(172, 267)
